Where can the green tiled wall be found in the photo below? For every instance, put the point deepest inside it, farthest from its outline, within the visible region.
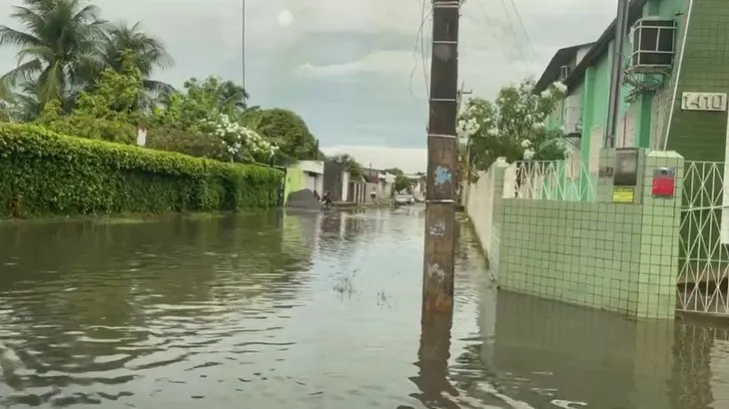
(612, 256)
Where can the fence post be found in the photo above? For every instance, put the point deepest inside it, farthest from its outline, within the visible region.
(659, 241)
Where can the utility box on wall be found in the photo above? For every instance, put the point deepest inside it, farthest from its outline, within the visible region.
(625, 176)
(664, 183)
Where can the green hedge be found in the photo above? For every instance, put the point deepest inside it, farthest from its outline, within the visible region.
(45, 173)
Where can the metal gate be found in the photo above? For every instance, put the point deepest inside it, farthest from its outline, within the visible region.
(703, 253)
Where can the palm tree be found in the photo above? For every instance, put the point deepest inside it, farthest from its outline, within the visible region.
(58, 46)
(148, 52)
(233, 96)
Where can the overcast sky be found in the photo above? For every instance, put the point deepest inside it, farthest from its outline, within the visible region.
(349, 66)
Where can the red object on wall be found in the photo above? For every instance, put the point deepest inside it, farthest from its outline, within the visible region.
(664, 186)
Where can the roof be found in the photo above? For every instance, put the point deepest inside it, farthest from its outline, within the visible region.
(601, 46)
(562, 57)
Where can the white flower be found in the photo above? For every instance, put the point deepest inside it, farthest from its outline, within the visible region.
(546, 93)
(560, 87)
(526, 143)
(467, 127)
(237, 139)
(528, 154)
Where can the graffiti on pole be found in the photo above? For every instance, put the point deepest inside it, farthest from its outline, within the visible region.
(442, 176)
(438, 229)
(435, 271)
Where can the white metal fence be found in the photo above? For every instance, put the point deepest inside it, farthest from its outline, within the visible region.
(567, 180)
(703, 254)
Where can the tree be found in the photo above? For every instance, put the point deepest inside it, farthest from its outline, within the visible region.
(354, 168)
(512, 126)
(287, 130)
(240, 144)
(233, 97)
(148, 53)
(402, 182)
(109, 112)
(59, 45)
(203, 101)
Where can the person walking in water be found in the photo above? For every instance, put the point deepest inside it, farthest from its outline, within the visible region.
(326, 201)
(373, 196)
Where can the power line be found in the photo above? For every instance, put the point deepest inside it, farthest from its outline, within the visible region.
(523, 28)
(513, 32)
(420, 43)
(243, 44)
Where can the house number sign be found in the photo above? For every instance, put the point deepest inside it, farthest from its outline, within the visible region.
(703, 101)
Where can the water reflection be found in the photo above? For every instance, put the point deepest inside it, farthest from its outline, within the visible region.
(435, 389)
(312, 309)
(98, 304)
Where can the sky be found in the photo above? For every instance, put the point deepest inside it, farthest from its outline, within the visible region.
(355, 70)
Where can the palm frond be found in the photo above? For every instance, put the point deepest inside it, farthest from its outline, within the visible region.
(24, 72)
(10, 36)
(159, 87)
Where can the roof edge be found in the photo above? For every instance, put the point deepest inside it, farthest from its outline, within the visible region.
(544, 80)
(602, 44)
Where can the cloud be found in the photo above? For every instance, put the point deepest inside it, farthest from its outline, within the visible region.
(410, 160)
(348, 67)
(379, 62)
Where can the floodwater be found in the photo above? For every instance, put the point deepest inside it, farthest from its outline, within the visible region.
(311, 310)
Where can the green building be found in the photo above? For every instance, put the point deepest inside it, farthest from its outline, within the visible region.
(674, 93)
(673, 98)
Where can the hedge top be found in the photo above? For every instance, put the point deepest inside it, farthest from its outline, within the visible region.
(35, 142)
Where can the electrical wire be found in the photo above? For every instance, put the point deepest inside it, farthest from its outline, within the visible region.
(421, 42)
(513, 33)
(523, 29)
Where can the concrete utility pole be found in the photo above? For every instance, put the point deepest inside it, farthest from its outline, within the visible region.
(616, 79)
(440, 224)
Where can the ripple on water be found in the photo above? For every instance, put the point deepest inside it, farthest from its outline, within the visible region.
(308, 310)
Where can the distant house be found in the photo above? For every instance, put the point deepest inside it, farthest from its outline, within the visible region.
(313, 175)
(418, 184)
(336, 181)
(382, 182)
(372, 183)
(302, 180)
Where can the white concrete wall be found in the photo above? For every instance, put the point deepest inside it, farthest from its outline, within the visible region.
(312, 166)
(480, 207)
(483, 200)
(314, 182)
(385, 189)
(320, 185)
(345, 186)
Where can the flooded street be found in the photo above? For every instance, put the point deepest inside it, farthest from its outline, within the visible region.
(310, 310)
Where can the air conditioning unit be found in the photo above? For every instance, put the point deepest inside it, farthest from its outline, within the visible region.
(564, 72)
(653, 45)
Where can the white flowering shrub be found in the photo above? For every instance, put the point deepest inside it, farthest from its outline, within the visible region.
(240, 144)
(513, 126)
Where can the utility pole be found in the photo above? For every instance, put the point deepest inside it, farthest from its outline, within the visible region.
(440, 223)
(616, 79)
